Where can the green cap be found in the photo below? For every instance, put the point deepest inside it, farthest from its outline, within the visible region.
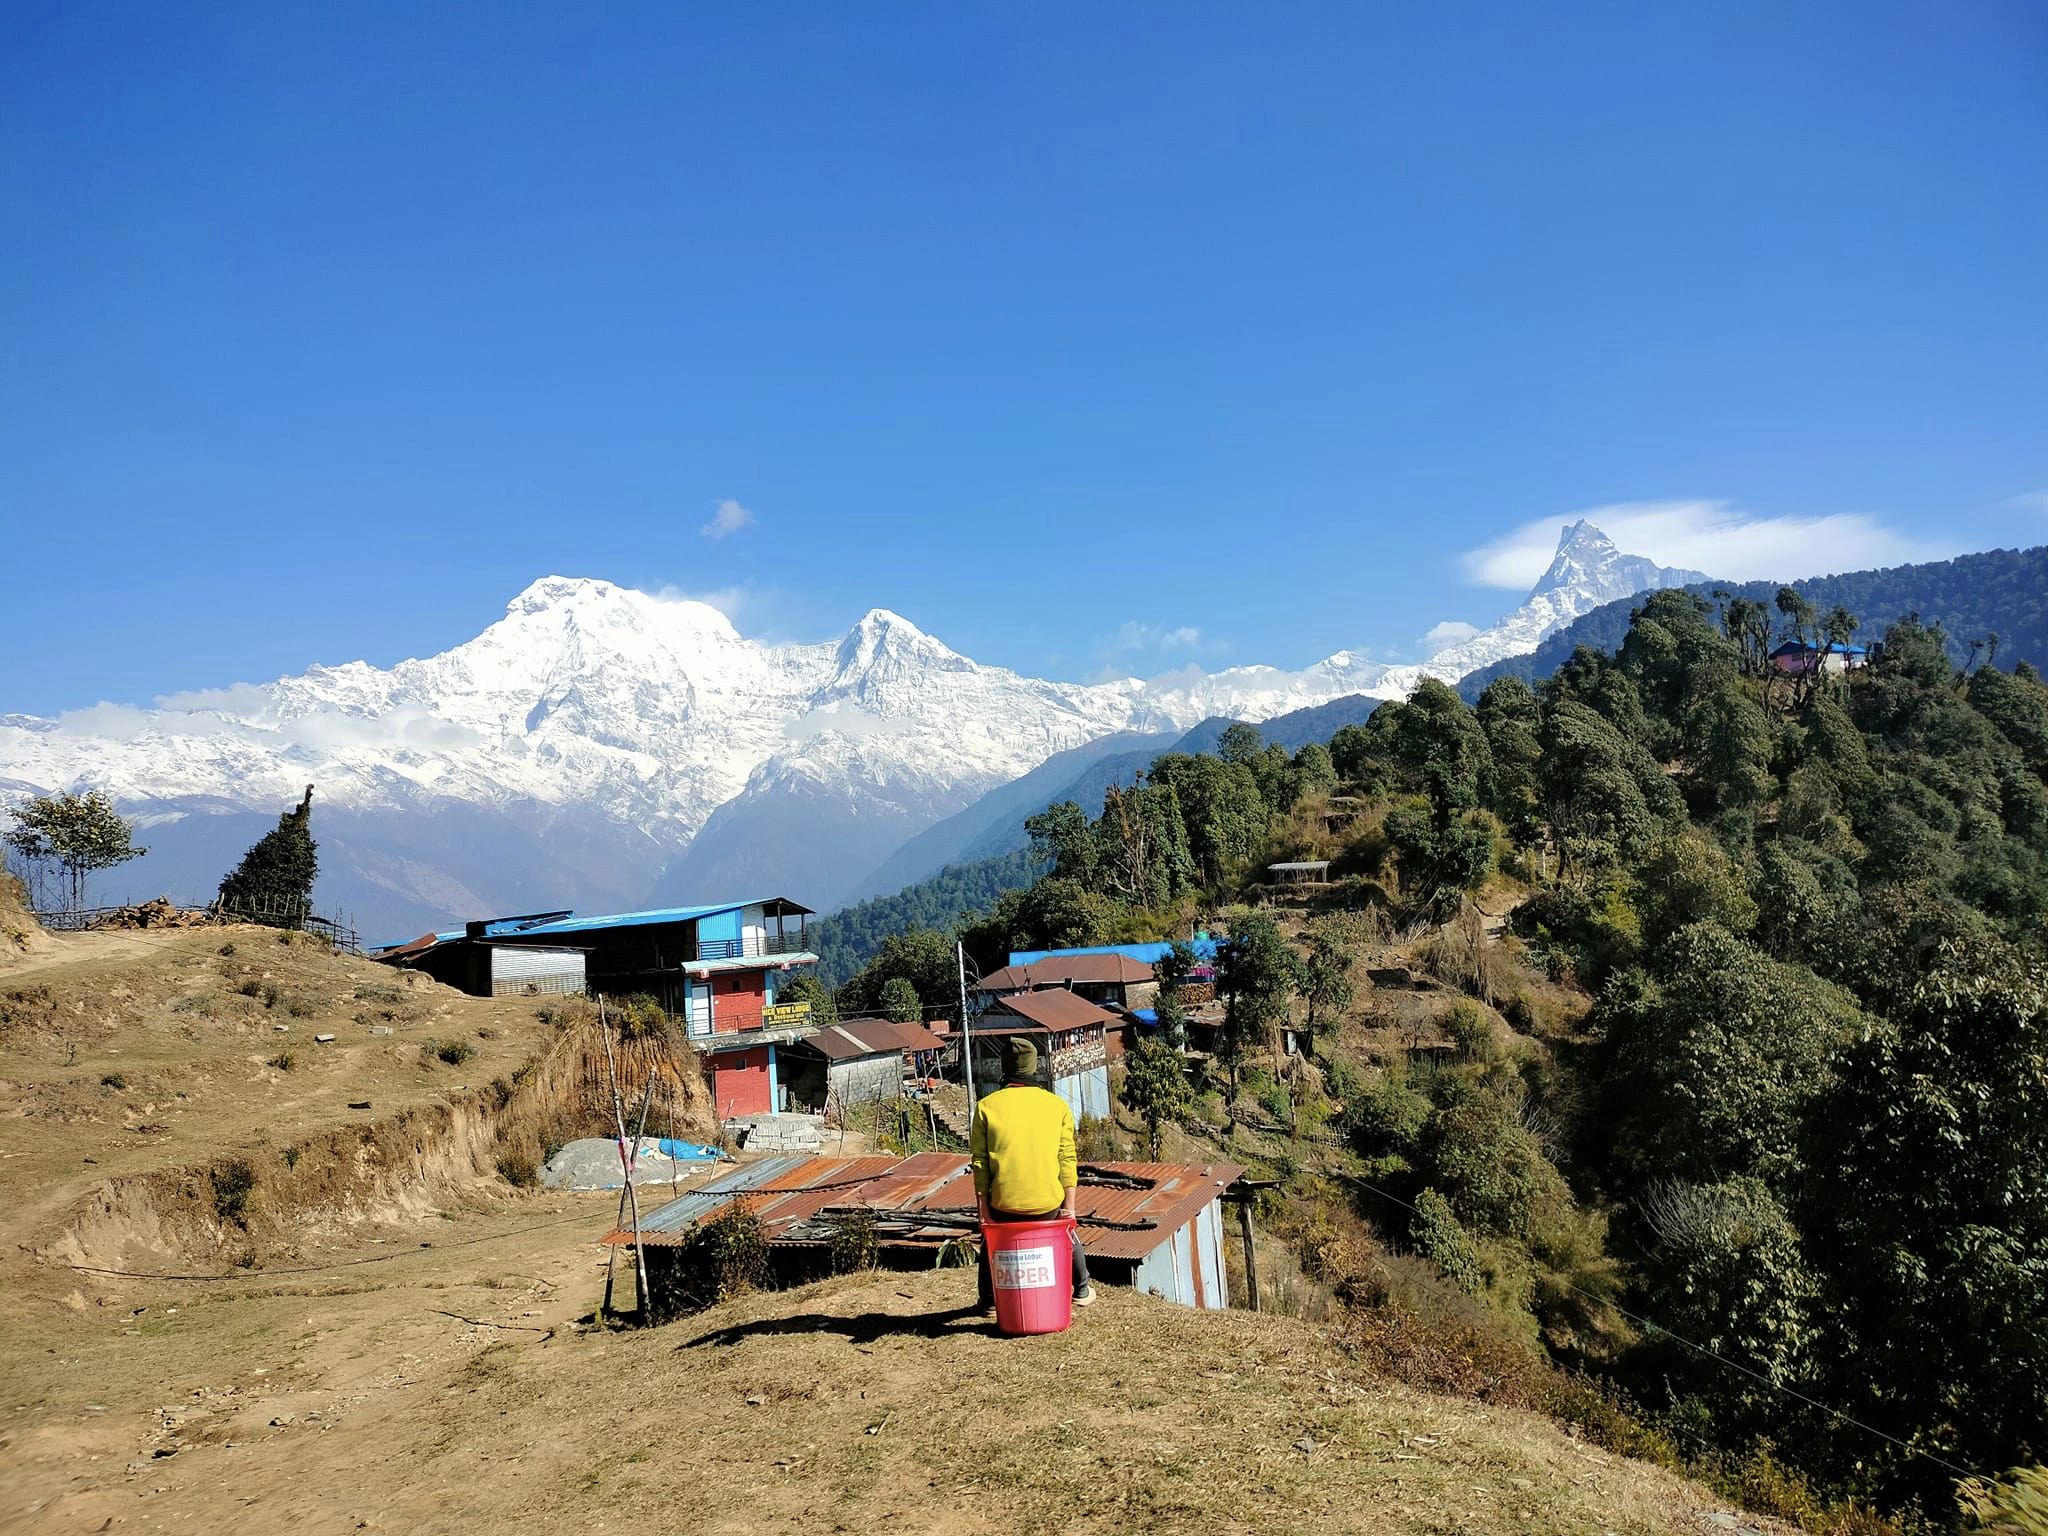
(1020, 1058)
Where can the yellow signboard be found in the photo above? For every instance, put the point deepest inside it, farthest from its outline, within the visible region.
(784, 1014)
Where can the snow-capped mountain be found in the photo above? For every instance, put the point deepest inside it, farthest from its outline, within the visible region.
(1587, 570)
(597, 746)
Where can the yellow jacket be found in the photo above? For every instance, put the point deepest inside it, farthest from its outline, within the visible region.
(1022, 1149)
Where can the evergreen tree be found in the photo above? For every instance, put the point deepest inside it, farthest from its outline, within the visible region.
(274, 881)
(1256, 970)
(898, 1001)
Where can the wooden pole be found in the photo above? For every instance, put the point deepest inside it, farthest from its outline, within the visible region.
(1251, 1257)
(625, 1161)
(611, 1253)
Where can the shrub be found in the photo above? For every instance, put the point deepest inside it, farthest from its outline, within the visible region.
(1470, 1031)
(226, 949)
(114, 1080)
(722, 1258)
(518, 1169)
(1386, 1116)
(232, 1182)
(455, 1052)
(1438, 1237)
(2017, 1506)
(638, 1017)
(854, 1248)
(284, 1061)
(291, 1157)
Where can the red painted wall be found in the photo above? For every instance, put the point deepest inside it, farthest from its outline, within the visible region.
(739, 1082)
(737, 998)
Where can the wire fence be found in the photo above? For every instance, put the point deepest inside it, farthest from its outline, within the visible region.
(336, 929)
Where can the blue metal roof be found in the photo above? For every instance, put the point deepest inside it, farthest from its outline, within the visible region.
(1145, 954)
(641, 919)
(495, 927)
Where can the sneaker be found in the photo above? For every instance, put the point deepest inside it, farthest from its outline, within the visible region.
(1085, 1297)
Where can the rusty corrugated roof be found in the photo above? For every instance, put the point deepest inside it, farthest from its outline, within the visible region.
(870, 1037)
(1147, 1201)
(1058, 970)
(1055, 1009)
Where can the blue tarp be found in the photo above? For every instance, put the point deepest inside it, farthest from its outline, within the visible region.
(687, 1151)
(1145, 954)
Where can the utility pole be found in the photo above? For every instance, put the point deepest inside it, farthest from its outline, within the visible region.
(966, 1038)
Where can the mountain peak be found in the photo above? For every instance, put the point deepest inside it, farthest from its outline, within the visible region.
(553, 591)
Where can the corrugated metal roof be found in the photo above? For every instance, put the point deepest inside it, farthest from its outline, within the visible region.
(1147, 1202)
(869, 1037)
(663, 915)
(1058, 970)
(1055, 1008)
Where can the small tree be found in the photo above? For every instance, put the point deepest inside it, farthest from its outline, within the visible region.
(1156, 1087)
(806, 988)
(73, 835)
(1325, 979)
(899, 1002)
(1257, 972)
(274, 881)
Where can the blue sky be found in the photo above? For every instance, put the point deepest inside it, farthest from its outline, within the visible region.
(1088, 337)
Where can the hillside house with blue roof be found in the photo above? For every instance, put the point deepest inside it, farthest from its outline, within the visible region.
(717, 967)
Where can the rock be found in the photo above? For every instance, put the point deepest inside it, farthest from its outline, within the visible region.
(1308, 1445)
(380, 1030)
(323, 1039)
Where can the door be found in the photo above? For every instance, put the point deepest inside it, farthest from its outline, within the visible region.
(697, 1010)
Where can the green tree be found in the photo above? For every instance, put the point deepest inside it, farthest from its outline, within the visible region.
(1156, 1087)
(1726, 1271)
(1256, 972)
(1315, 771)
(70, 837)
(1439, 1237)
(1061, 837)
(1926, 1210)
(898, 1001)
(1491, 1169)
(806, 988)
(920, 957)
(1241, 743)
(1604, 798)
(1714, 1063)
(1325, 977)
(1352, 752)
(274, 881)
(1508, 715)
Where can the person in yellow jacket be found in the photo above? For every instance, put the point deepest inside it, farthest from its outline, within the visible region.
(1022, 1151)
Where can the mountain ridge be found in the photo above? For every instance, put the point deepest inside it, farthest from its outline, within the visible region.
(617, 747)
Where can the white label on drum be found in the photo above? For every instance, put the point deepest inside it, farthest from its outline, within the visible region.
(1024, 1269)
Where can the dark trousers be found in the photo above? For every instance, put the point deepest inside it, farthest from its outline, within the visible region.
(985, 1285)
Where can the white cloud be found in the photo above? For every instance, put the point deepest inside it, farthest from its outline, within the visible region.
(2035, 502)
(728, 518)
(1133, 636)
(848, 720)
(1716, 537)
(1448, 633)
(730, 601)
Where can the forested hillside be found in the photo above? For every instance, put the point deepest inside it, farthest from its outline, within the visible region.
(1745, 1112)
(2001, 592)
(845, 940)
